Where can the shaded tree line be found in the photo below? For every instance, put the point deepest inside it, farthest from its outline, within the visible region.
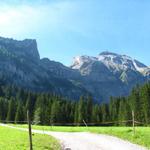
(46, 108)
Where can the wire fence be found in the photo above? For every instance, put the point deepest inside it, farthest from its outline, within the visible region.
(19, 122)
(84, 123)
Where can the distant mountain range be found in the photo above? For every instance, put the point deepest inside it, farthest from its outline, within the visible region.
(106, 75)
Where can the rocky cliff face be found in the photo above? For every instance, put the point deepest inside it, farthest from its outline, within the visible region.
(106, 75)
(21, 65)
(22, 49)
(110, 74)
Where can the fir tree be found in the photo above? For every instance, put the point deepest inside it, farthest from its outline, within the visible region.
(11, 110)
(19, 118)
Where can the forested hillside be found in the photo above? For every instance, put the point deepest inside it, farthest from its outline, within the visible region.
(49, 109)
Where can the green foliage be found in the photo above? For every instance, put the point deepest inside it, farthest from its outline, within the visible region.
(96, 114)
(19, 113)
(11, 110)
(3, 108)
(37, 116)
(145, 102)
(46, 109)
(81, 110)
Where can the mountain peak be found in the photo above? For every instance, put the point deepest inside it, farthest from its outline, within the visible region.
(27, 47)
(113, 61)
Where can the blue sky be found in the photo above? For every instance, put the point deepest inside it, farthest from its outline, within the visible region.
(67, 28)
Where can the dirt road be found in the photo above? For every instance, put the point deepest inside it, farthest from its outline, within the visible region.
(87, 141)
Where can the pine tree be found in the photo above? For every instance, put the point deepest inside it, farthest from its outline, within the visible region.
(136, 103)
(37, 116)
(105, 112)
(28, 103)
(40, 110)
(145, 97)
(96, 116)
(11, 110)
(114, 108)
(55, 113)
(122, 112)
(76, 114)
(72, 113)
(81, 110)
(19, 118)
(89, 109)
(3, 109)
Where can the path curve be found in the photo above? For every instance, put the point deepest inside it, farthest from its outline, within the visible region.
(87, 141)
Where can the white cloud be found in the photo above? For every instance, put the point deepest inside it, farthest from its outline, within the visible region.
(43, 19)
(16, 20)
(24, 19)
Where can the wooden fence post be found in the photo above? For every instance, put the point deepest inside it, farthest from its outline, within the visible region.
(85, 123)
(30, 132)
(133, 121)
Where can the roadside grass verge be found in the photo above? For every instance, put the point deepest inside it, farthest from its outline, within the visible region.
(13, 139)
(141, 137)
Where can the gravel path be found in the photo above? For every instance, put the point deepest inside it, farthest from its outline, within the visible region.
(87, 141)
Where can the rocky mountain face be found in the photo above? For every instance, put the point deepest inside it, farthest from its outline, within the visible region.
(20, 65)
(106, 75)
(110, 73)
(119, 65)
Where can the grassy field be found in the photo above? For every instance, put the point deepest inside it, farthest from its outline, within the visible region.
(12, 139)
(141, 137)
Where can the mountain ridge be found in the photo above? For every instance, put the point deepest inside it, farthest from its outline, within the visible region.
(108, 74)
(108, 56)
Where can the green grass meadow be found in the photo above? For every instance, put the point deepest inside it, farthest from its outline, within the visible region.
(13, 139)
(141, 136)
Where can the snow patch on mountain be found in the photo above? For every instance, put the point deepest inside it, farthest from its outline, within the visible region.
(78, 61)
(114, 62)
